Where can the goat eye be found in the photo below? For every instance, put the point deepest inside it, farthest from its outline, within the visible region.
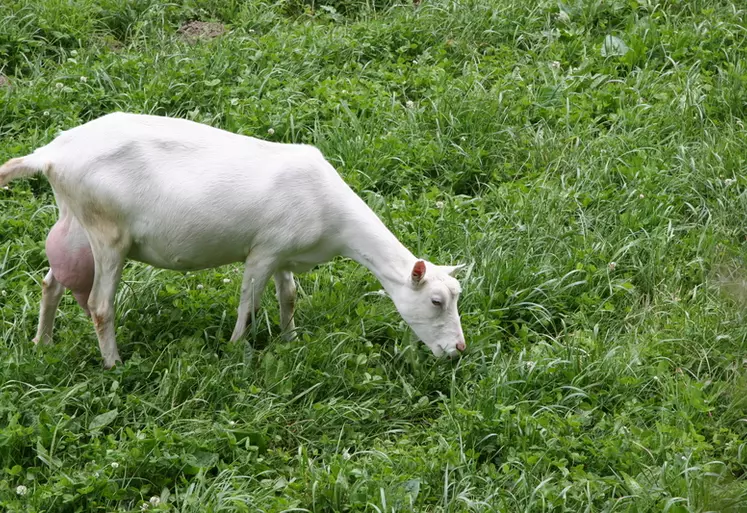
(436, 302)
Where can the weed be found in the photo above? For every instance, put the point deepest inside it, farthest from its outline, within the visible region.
(585, 158)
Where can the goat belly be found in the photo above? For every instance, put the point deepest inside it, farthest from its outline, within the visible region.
(178, 256)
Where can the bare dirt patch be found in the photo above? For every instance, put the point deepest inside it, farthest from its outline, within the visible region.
(194, 30)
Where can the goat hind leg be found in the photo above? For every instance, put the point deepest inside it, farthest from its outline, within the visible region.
(52, 291)
(109, 262)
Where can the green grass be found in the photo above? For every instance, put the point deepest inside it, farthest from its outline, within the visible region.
(599, 200)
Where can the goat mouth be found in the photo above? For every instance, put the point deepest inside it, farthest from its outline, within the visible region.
(437, 350)
(452, 354)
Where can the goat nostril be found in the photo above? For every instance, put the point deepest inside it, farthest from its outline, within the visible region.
(460, 346)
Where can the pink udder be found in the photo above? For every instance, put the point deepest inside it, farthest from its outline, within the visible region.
(71, 259)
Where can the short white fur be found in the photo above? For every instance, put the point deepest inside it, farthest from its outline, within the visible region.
(181, 195)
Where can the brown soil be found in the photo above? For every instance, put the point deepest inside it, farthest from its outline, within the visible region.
(194, 30)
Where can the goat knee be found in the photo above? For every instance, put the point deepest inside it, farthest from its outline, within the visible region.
(51, 285)
(101, 313)
(288, 298)
(285, 288)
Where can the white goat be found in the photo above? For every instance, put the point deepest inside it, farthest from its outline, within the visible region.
(181, 195)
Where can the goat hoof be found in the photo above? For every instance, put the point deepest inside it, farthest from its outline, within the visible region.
(44, 341)
(112, 365)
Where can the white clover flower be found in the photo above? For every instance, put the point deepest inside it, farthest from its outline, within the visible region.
(114, 464)
(144, 506)
(439, 204)
(231, 423)
(59, 85)
(271, 131)
(21, 490)
(46, 113)
(409, 104)
(555, 65)
(641, 196)
(200, 286)
(226, 280)
(84, 79)
(612, 265)
(155, 500)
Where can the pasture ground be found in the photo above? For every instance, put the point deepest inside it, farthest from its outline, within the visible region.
(595, 186)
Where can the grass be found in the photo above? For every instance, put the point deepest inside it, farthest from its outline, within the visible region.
(599, 201)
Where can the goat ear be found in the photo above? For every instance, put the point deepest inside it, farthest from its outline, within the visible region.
(452, 269)
(418, 272)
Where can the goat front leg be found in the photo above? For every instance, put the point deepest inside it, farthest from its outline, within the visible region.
(257, 272)
(109, 263)
(285, 289)
(52, 291)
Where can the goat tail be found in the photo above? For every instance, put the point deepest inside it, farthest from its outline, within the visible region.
(21, 167)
